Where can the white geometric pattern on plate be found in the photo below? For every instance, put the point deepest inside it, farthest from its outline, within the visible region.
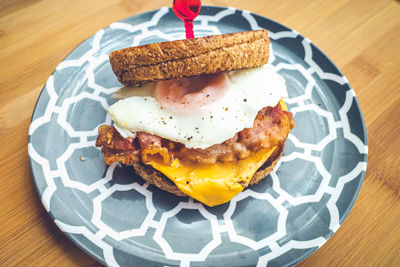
(54, 175)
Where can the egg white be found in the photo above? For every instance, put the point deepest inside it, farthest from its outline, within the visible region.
(249, 91)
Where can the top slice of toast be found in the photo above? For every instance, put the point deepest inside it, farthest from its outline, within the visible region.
(190, 57)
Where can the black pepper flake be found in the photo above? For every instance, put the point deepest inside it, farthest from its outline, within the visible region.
(189, 138)
(202, 118)
(145, 99)
(245, 100)
(164, 122)
(211, 117)
(207, 95)
(170, 117)
(196, 128)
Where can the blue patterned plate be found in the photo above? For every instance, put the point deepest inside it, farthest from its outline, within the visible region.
(120, 220)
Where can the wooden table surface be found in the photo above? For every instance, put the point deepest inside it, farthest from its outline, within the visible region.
(361, 36)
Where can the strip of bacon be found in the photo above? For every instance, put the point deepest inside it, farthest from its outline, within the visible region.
(271, 126)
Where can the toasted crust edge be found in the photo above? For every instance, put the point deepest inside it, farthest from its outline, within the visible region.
(190, 57)
(154, 177)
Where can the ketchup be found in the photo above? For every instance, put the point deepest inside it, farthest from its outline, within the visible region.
(187, 10)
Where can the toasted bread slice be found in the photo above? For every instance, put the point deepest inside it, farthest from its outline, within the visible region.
(190, 57)
(158, 179)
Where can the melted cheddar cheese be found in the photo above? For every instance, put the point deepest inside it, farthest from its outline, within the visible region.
(213, 184)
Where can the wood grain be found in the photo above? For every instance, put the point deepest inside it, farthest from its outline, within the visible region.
(360, 36)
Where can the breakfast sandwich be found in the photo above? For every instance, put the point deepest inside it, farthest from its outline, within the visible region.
(202, 117)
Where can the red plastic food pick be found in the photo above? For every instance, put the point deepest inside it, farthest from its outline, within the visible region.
(187, 10)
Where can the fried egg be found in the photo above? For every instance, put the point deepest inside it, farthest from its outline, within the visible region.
(233, 100)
